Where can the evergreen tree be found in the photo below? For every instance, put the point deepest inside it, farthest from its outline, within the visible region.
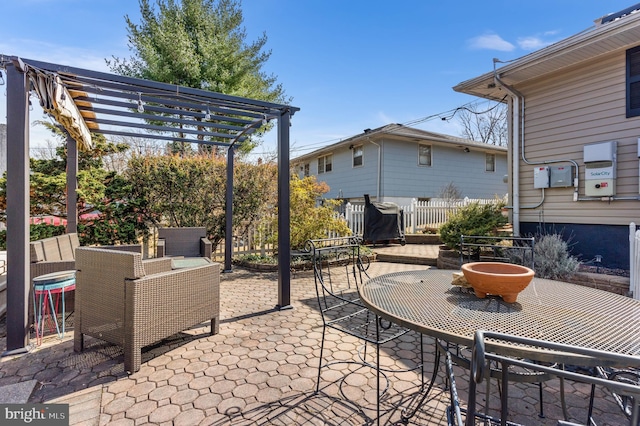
(199, 44)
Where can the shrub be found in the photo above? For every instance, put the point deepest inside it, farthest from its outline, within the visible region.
(552, 259)
(473, 219)
(37, 231)
(308, 219)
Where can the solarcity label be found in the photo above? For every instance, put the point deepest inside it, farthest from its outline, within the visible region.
(34, 414)
(598, 173)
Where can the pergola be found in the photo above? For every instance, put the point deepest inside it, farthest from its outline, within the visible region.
(85, 102)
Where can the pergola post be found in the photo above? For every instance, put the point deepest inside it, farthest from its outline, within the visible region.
(284, 215)
(228, 233)
(72, 185)
(18, 270)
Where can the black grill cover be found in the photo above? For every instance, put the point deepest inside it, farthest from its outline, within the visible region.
(382, 221)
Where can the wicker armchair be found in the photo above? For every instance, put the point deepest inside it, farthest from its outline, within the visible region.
(133, 303)
(187, 242)
(57, 253)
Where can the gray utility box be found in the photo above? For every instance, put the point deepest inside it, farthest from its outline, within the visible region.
(561, 176)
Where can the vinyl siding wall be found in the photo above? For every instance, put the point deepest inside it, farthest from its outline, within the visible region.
(565, 112)
(352, 181)
(404, 178)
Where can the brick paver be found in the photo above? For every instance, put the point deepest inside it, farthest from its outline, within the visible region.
(260, 369)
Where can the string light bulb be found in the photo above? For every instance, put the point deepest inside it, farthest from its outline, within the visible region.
(264, 120)
(207, 115)
(140, 104)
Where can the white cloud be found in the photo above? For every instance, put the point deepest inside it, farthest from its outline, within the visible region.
(55, 53)
(384, 119)
(491, 42)
(533, 43)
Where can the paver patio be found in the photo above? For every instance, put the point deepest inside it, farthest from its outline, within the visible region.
(259, 370)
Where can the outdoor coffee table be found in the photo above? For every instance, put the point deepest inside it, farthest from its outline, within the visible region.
(188, 262)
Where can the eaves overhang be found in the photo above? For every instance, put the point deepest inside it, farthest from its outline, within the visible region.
(398, 132)
(602, 39)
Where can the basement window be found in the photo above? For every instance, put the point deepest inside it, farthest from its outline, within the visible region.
(633, 82)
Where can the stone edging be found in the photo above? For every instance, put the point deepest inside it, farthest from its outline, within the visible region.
(300, 266)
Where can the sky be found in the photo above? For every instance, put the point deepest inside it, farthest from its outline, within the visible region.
(348, 65)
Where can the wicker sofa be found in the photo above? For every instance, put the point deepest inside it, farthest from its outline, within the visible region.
(133, 303)
(56, 254)
(186, 241)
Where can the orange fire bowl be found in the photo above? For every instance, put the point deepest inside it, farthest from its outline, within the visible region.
(500, 279)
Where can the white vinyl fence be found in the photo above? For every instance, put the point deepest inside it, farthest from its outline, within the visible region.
(634, 261)
(417, 216)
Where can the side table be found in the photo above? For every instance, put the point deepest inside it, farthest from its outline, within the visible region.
(44, 287)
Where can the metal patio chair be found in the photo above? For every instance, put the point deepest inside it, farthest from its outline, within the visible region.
(482, 356)
(338, 270)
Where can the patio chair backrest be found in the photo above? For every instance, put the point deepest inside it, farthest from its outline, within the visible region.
(338, 269)
(182, 241)
(58, 248)
(100, 283)
(556, 358)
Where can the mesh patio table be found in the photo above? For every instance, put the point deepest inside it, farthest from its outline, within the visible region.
(425, 301)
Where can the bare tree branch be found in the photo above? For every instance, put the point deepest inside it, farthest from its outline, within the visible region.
(488, 126)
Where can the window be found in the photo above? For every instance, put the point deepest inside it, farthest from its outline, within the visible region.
(424, 155)
(633, 82)
(357, 156)
(324, 163)
(306, 170)
(490, 162)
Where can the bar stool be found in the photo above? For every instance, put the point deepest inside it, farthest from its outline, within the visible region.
(44, 287)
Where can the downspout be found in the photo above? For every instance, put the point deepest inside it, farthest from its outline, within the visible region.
(515, 136)
(518, 134)
(379, 168)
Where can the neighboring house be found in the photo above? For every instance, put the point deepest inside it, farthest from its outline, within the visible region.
(396, 163)
(575, 136)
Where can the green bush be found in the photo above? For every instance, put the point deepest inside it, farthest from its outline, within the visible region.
(551, 257)
(473, 219)
(36, 232)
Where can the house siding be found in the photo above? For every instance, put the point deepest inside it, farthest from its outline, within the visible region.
(345, 179)
(565, 112)
(390, 169)
(403, 177)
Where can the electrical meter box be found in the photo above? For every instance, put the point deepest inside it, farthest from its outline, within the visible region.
(560, 176)
(541, 177)
(600, 169)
